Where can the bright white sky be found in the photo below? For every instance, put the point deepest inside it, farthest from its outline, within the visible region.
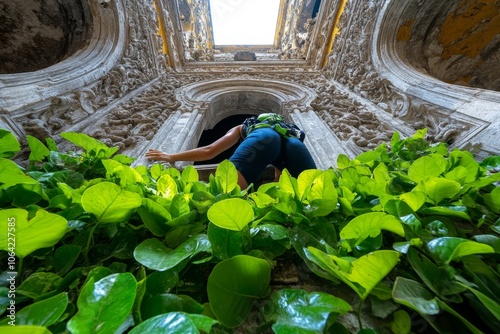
(247, 22)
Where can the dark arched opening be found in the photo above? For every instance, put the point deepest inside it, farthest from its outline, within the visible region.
(219, 130)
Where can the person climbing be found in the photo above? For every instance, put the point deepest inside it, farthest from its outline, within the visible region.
(263, 140)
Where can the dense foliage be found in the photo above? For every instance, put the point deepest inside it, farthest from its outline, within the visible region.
(103, 247)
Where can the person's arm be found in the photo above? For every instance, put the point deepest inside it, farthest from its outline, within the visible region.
(201, 153)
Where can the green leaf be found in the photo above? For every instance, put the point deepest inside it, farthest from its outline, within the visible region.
(38, 150)
(447, 249)
(322, 195)
(414, 199)
(234, 285)
(109, 203)
(166, 186)
(168, 302)
(412, 294)
(153, 254)
(64, 258)
(227, 176)
(370, 225)
(154, 216)
(431, 165)
(232, 213)
(43, 313)
(490, 304)
(362, 274)
(493, 200)
(225, 243)
(127, 174)
(89, 144)
(401, 323)
(24, 330)
(435, 277)
(39, 284)
(174, 323)
(299, 311)
(9, 145)
(11, 174)
(438, 189)
(450, 211)
(190, 174)
(43, 230)
(104, 305)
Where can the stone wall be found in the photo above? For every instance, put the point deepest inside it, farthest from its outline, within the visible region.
(132, 85)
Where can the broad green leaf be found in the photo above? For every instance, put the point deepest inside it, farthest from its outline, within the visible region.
(227, 175)
(447, 249)
(153, 254)
(168, 302)
(104, 305)
(431, 165)
(109, 203)
(493, 200)
(261, 199)
(190, 174)
(11, 174)
(9, 145)
(43, 313)
(414, 199)
(450, 211)
(370, 225)
(438, 189)
(154, 216)
(473, 329)
(232, 213)
(401, 323)
(463, 161)
(412, 294)
(43, 230)
(166, 186)
(343, 161)
(305, 181)
(127, 174)
(435, 277)
(225, 243)
(490, 304)
(175, 323)
(64, 258)
(322, 196)
(24, 330)
(39, 284)
(234, 285)
(289, 184)
(299, 311)
(89, 144)
(38, 150)
(361, 274)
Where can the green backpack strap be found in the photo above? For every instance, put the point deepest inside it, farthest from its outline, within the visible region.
(275, 121)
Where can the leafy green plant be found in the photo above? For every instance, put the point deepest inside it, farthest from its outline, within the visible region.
(105, 246)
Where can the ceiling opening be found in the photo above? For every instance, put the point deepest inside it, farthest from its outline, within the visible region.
(244, 22)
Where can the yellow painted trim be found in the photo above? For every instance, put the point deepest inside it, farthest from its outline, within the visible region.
(161, 31)
(335, 31)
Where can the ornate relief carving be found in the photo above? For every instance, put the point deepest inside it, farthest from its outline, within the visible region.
(440, 127)
(136, 68)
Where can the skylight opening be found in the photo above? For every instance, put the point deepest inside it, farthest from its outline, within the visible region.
(244, 22)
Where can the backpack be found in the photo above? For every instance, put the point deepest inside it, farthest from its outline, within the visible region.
(275, 121)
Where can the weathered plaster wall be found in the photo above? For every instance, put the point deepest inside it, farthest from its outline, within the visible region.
(37, 34)
(457, 42)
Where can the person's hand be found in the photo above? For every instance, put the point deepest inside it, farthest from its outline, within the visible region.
(159, 155)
